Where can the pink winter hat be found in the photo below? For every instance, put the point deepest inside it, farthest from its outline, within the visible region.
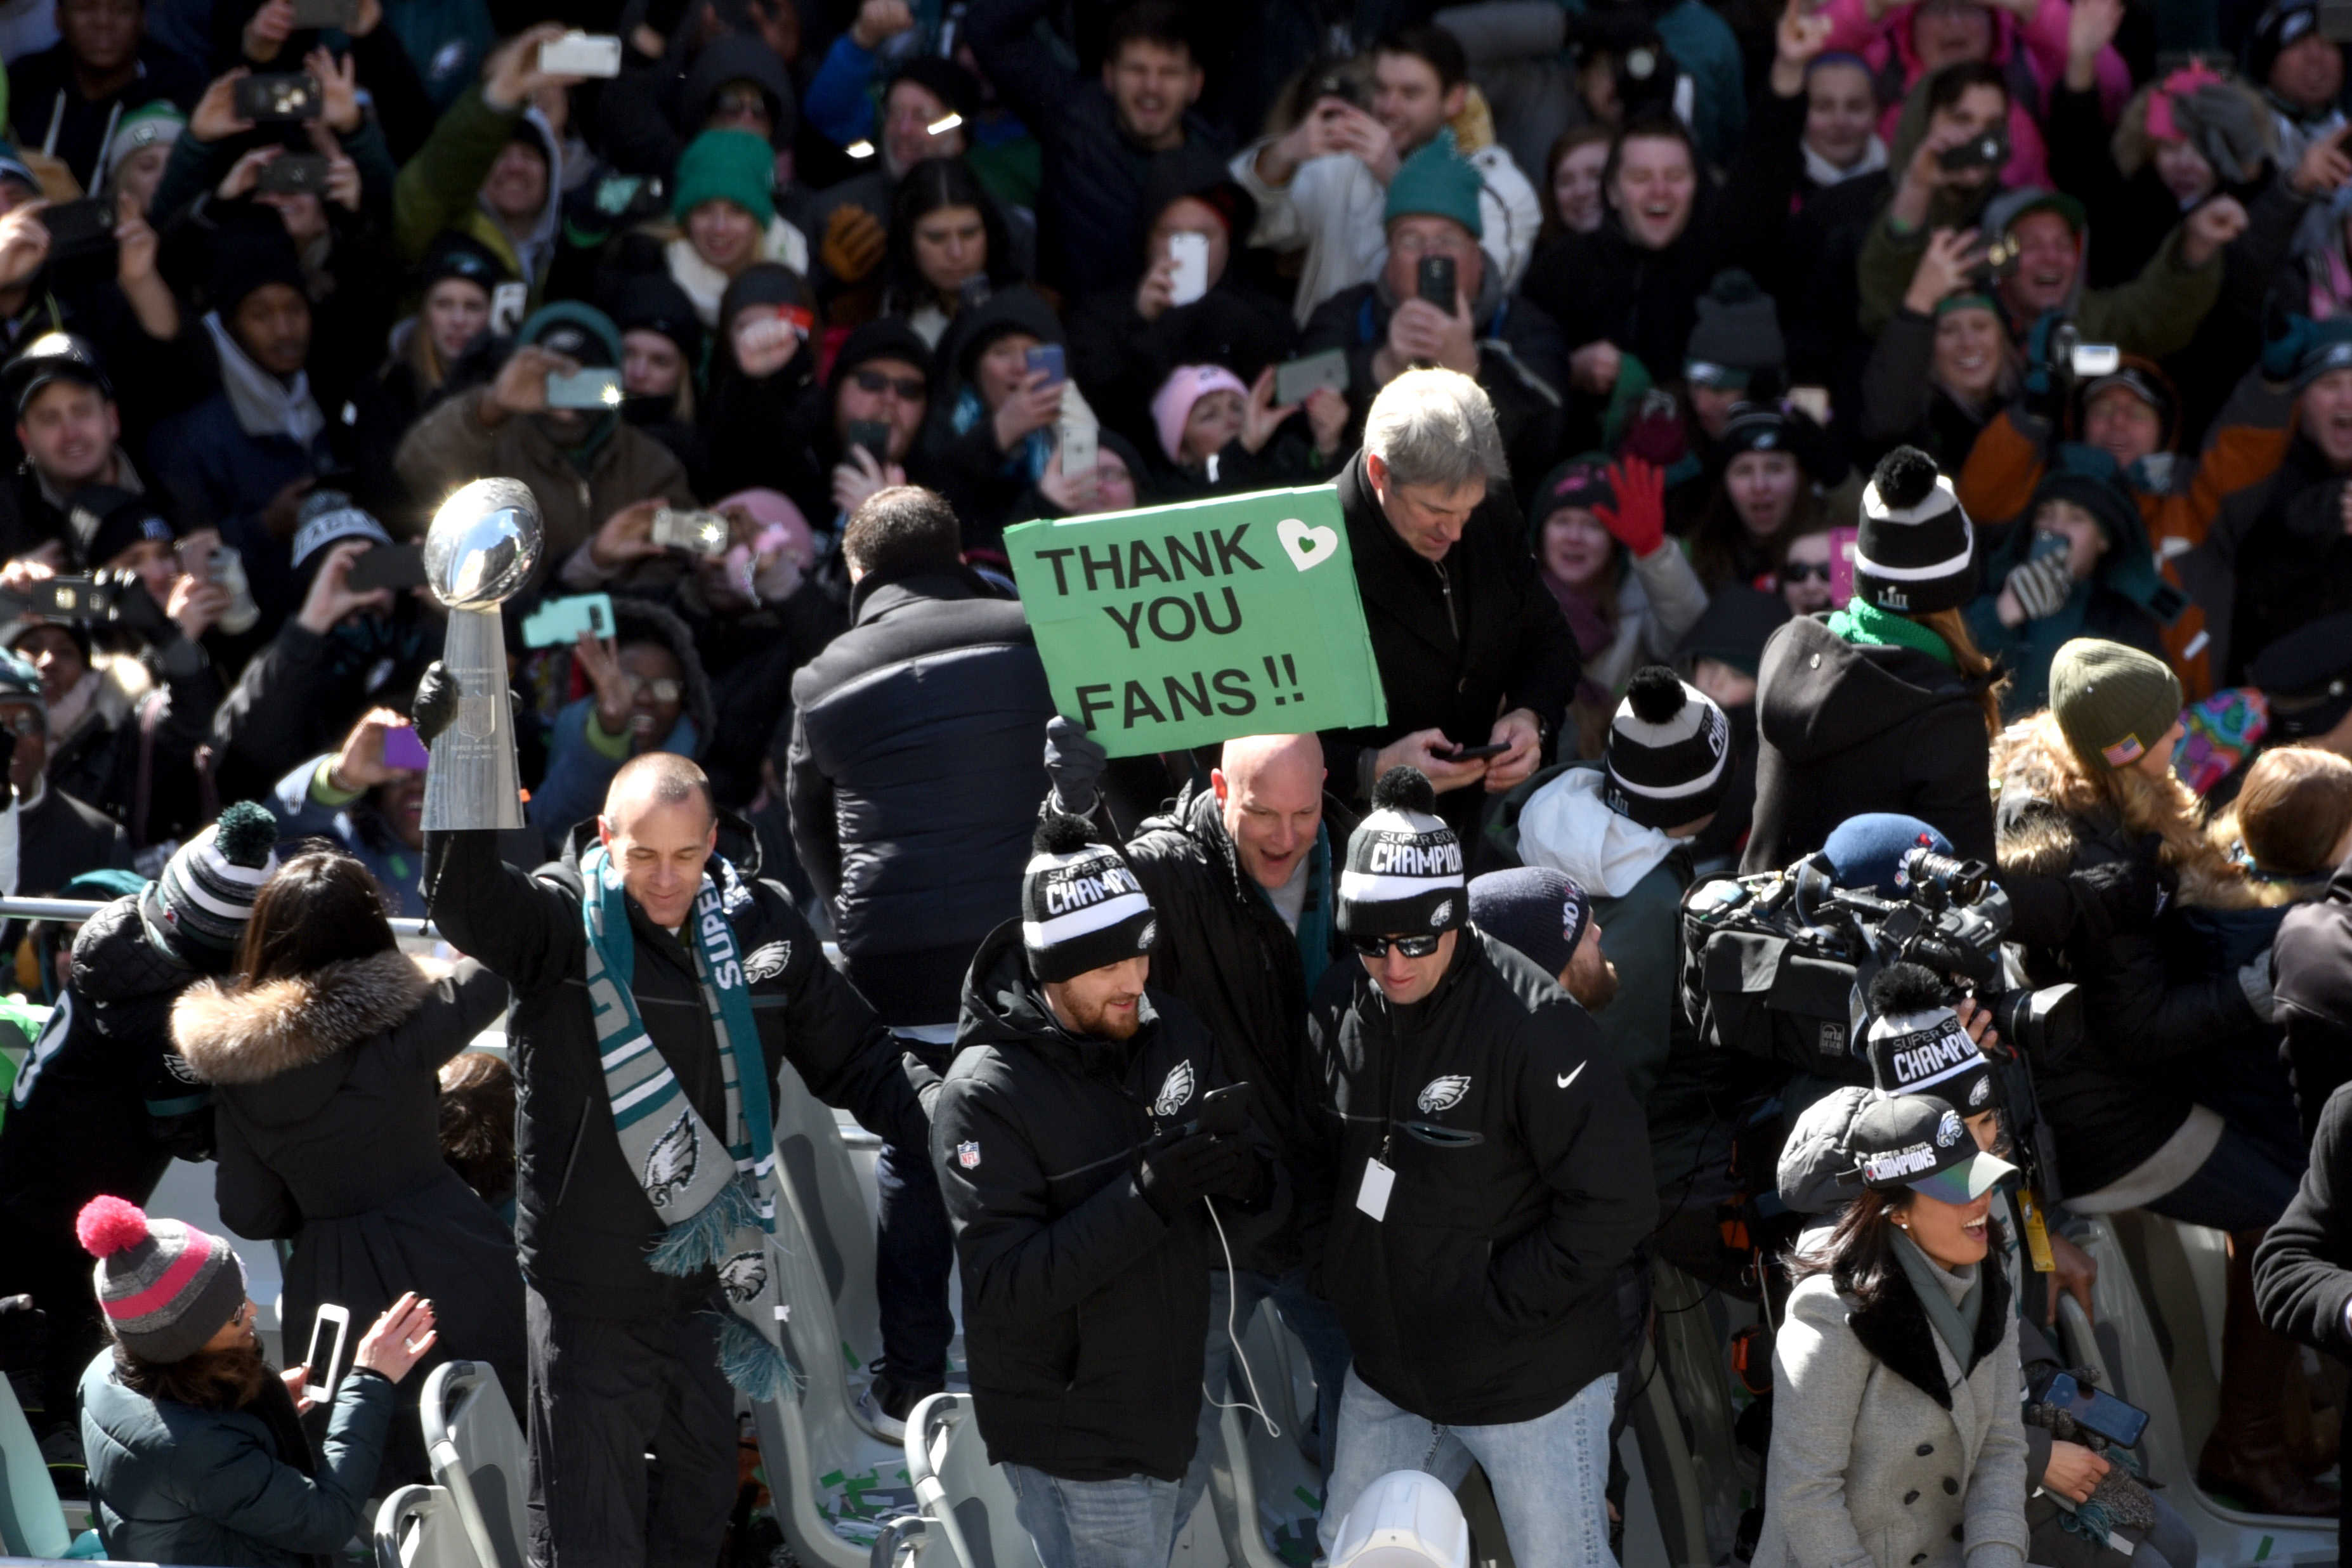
(1171, 405)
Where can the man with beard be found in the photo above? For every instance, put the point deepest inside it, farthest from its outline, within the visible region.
(1084, 1165)
(1548, 920)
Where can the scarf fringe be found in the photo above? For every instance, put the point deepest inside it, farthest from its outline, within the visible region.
(702, 1242)
(759, 1369)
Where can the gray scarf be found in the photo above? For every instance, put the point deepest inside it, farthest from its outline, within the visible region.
(1955, 1321)
(264, 405)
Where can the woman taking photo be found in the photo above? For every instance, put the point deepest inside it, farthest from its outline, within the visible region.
(323, 1055)
(196, 1449)
(1945, 364)
(1896, 1433)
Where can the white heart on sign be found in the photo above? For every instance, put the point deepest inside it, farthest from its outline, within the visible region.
(1308, 547)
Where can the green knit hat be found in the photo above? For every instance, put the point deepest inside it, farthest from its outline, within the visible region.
(1437, 182)
(2115, 703)
(739, 166)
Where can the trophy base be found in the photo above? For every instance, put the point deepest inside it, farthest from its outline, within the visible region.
(471, 778)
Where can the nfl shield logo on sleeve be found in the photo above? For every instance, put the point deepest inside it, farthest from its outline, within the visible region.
(967, 1155)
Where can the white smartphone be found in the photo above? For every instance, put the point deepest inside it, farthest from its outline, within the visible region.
(1190, 251)
(1080, 451)
(581, 54)
(507, 303)
(316, 1387)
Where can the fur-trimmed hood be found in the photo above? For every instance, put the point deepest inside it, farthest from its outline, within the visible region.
(249, 1035)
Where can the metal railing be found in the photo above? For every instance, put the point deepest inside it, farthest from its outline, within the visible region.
(76, 911)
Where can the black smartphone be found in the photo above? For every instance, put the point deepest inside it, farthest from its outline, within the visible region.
(70, 598)
(342, 14)
(1989, 150)
(2096, 1410)
(1224, 1110)
(1436, 281)
(873, 434)
(279, 95)
(294, 174)
(81, 228)
(1478, 753)
(388, 566)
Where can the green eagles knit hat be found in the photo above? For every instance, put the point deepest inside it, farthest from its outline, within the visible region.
(2115, 703)
(1436, 181)
(738, 167)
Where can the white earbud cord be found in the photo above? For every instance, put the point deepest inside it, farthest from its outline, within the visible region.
(1256, 1403)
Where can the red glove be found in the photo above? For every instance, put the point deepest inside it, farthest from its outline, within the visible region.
(1638, 520)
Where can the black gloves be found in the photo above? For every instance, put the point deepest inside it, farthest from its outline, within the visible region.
(1075, 763)
(1206, 1165)
(435, 703)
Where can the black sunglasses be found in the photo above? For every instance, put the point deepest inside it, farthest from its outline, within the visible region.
(1378, 946)
(909, 388)
(1805, 571)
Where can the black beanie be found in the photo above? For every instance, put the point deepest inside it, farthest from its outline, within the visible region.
(885, 337)
(106, 520)
(1404, 876)
(250, 249)
(1669, 754)
(1915, 552)
(1081, 906)
(1737, 335)
(651, 303)
(1916, 1046)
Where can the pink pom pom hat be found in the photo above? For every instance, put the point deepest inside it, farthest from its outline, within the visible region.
(165, 1286)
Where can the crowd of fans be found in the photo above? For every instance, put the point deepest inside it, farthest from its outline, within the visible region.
(1744, 453)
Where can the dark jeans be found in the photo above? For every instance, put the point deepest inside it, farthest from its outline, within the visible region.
(2241, 1187)
(914, 1253)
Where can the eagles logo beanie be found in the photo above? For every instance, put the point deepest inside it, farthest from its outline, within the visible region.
(1669, 751)
(1081, 906)
(1404, 876)
(1915, 552)
(1916, 1043)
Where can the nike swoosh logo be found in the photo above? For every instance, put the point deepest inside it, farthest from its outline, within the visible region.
(1569, 1078)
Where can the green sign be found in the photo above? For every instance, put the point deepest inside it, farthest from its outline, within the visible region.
(1176, 626)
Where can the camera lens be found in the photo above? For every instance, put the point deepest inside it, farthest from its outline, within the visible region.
(2046, 1024)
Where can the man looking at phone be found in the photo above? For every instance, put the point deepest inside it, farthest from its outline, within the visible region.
(1081, 1159)
(1484, 1177)
(1462, 626)
(1323, 187)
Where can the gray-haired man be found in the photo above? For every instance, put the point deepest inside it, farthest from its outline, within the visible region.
(1473, 649)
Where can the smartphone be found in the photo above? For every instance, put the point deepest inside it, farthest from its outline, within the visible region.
(1339, 84)
(590, 389)
(1047, 357)
(81, 228)
(1478, 753)
(557, 623)
(294, 174)
(1989, 150)
(401, 749)
(704, 532)
(1080, 449)
(1190, 251)
(70, 598)
(2090, 361)
(331, 1331)
(974, 291)
(281, 96)
(1436, 281)
(387, 567)
(1224, 1110)
(342, 14)
(1842, 543)
(1296, 379)
(2048, 544)
(2096, 1410)
(507, 303)
(581, 54)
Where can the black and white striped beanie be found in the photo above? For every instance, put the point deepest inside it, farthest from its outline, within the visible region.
(1669, 757)
(1915, 552)
(1404, 876)
(206, 893)
(1081, 906)
(1916, 1046)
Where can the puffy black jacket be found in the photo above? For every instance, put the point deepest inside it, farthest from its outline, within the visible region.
(2311, 978)
(2303, 1271)
(1486, 1293)
(1458, 644)
(916, 767)
(583, 1222)
(1846, 727)
(1084, 1313)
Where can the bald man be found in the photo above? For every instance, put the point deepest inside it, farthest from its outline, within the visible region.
(1240, 875)
(623, 1359)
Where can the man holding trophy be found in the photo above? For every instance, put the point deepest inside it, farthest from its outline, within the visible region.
(657, 987)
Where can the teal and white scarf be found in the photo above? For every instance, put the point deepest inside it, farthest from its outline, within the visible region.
(721, 1214)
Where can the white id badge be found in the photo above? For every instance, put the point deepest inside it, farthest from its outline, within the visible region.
(1372, 1197)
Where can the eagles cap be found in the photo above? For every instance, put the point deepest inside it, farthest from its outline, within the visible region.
(1920, 1142)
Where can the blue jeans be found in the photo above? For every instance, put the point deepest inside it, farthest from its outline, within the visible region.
(1125, 1523)
(1317, 1327)
(1550, 1475)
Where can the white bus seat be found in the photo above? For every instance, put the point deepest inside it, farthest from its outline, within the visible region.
(478, 1455)
(823, 1178)
(1264, 1491)
(417, 1528)
(967, 1503)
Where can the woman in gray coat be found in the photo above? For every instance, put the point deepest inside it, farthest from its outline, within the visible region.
(1895, 1434)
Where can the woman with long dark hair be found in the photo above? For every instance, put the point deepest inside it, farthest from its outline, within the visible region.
(323, 1055)
(1896, 1437)
(945, 231)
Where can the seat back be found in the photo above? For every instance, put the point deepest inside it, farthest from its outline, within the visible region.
(969, 1501)
(417, 1528)
(823, 1178)
(479, 1457)
(32, 1523)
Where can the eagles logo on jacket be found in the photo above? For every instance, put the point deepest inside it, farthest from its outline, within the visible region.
(1485, 1292)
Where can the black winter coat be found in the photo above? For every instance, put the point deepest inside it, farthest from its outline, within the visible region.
(1846, 727)
(2311, 979)
(2294, 563)
(1486, 1294)
(2303, 1270)
(1459, 643)
(581, 1221)
(303, 692)
(1084, 1313)
(916, 764)
(60, 837)
(329, 1120)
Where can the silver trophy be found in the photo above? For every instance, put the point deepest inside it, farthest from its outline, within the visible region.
(481, 549)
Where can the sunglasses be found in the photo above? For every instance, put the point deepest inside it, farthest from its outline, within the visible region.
(662, 688)
(1378, 946)
(909, 388)
(1805, 572)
